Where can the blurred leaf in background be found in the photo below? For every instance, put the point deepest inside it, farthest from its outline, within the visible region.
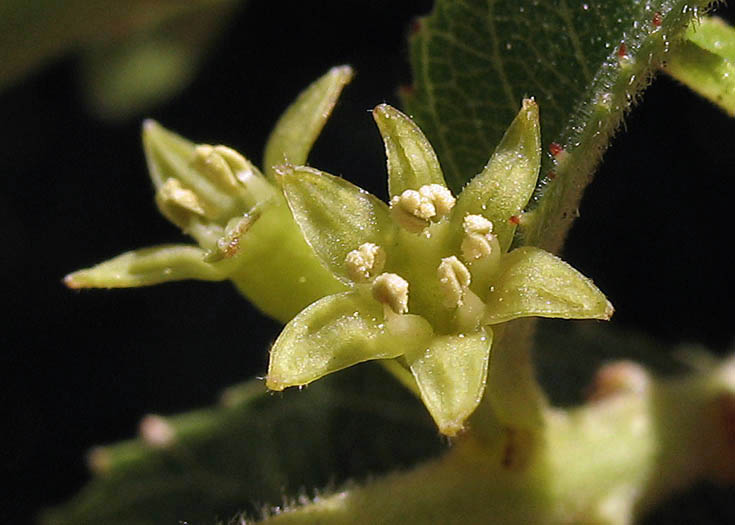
(134, 53)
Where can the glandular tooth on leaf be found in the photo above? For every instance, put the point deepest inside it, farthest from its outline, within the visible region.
(365, 262)
(391, 290)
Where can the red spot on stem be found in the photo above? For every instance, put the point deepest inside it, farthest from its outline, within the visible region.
(622, 50)
(657, 19)
(555, 149)
(407, 90)
(515, 219)
(416, 25)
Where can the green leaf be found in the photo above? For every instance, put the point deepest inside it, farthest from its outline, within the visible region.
(147, 266)
(333, 333)
(474, 60)
(506, 183)
(412, 162)
(706, 62)
(451, 374)
(253, 450)
(300, 125)
(533, 282)
(335, 216)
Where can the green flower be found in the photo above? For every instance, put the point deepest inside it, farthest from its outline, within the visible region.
(237, 215)
(423, 283)
(430, 278)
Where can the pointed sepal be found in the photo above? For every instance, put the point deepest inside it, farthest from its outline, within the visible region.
(533, 282)
(333, 333)
(335, 216)
(505, 185)
(200, 182)
(412, 162)
(147, 266)
(298, 128)
(451, 373)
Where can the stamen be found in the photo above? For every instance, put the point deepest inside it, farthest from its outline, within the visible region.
(455, 278)
(391, 290)
(365, 262)
(178, 203)
(414, 209)
(478, 237)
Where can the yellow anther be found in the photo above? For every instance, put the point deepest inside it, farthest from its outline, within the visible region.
(414, 209)
(365, 262)
(478, 237)
(441, 198)
(217, 169)
(391, 290)
(178, 203)
(455, 279)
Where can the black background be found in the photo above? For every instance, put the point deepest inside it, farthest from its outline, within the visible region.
(79, 369)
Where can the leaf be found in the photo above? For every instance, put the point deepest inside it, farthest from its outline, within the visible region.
(533, 282)
(506, 183)
(335, 216)
(451, 375)
(300, 125)
(706, 62)
(412, 162)
(147, 266)
(253, 450)
(474, 60)
(333, 333)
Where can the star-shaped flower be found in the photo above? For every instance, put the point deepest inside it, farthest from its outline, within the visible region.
(430, 277)
(422, 283)
(237, 215)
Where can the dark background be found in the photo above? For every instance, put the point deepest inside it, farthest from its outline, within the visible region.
(79, 369)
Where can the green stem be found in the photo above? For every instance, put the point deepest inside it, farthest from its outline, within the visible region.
(603, 463)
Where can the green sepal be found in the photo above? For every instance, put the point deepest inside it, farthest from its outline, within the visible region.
(334, 215)
(148, 266)
(505, 185)
(412, 162)
(333, 333)
(300, 125)
(533, 282)
(451, 374)
(705, 62)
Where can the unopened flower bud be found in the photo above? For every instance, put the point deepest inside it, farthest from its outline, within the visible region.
(156, 431)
